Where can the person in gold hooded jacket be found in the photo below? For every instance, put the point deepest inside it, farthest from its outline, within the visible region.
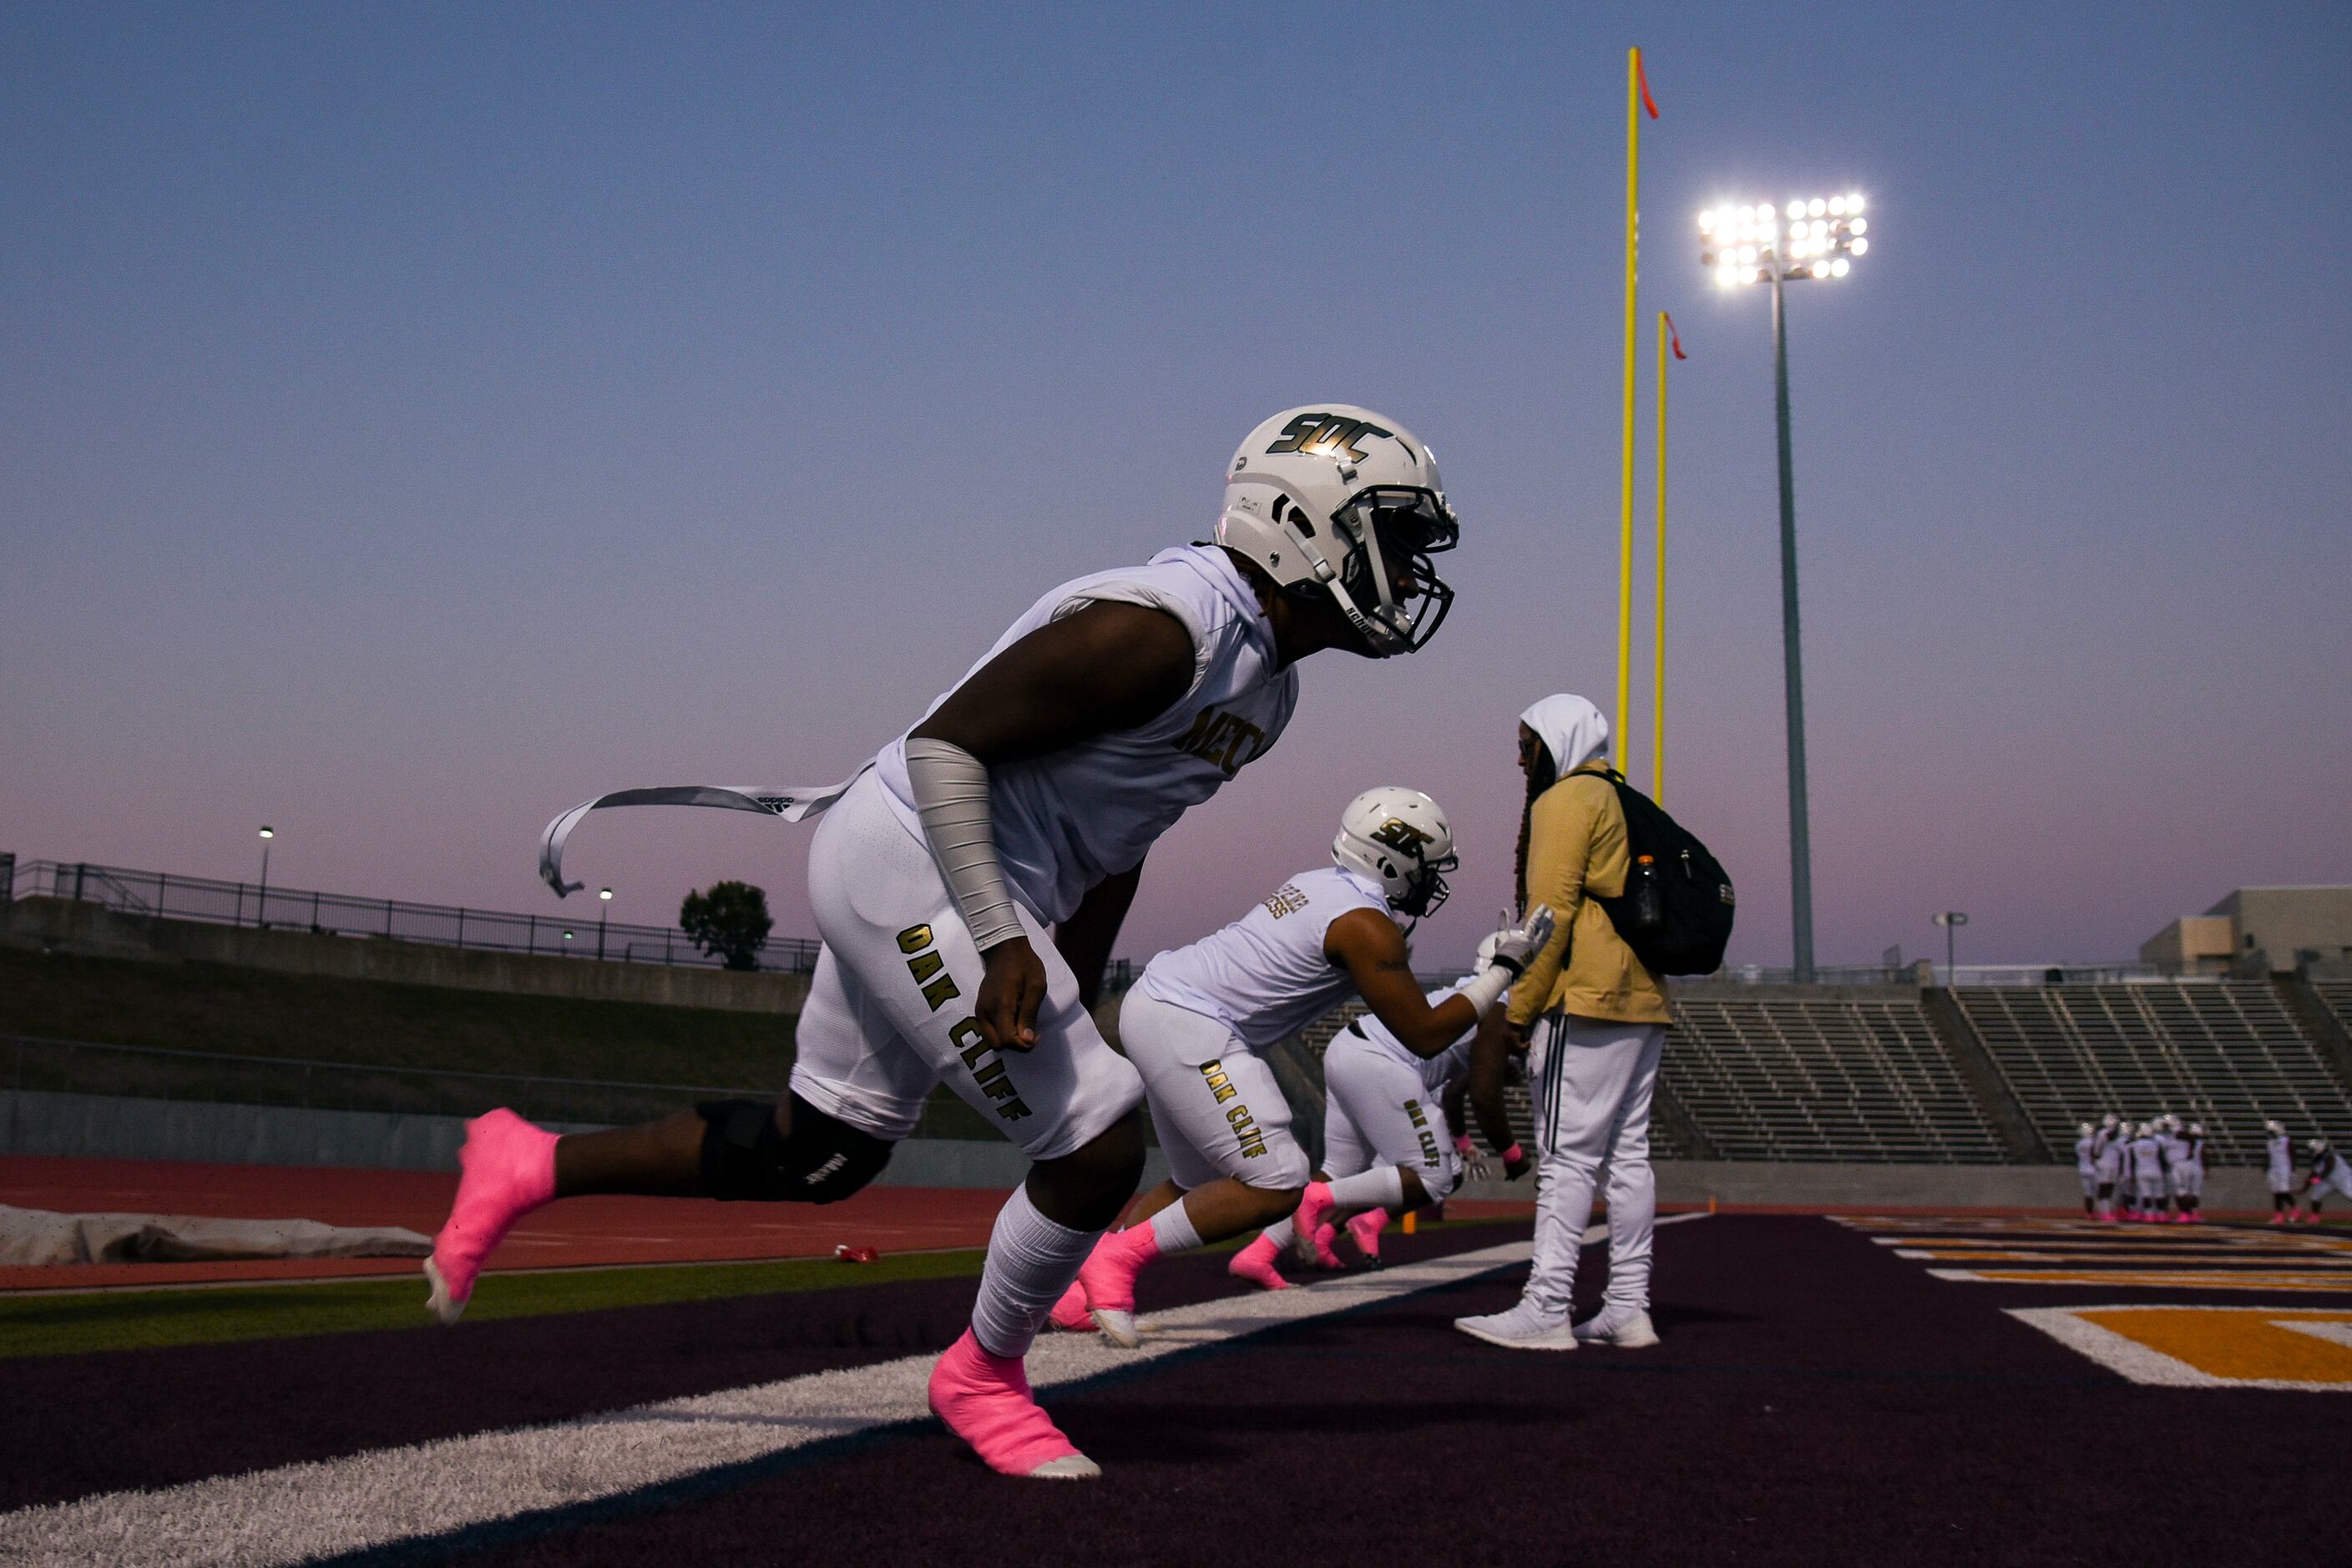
(1595, 1020)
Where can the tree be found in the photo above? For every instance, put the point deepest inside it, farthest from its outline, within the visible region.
(729, 920)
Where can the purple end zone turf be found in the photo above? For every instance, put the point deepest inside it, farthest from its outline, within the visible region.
(155, 1417)
(1817, 1400)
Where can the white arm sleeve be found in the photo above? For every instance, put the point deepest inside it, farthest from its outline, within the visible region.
(950, 789)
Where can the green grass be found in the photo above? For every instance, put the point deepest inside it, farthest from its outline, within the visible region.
(72, 1323)
(260, 1012)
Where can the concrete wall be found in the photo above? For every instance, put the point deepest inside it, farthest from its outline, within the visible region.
(95, 930)
(2193, 944)
(2278, 922)
(123, 1127)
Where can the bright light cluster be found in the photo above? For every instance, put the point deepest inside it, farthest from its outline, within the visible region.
(1817, 236)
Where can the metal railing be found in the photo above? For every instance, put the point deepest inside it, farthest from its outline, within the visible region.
(1968, 975)
(39, 1065)
(274, 908)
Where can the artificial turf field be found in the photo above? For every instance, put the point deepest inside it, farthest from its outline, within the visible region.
(1829, 1389)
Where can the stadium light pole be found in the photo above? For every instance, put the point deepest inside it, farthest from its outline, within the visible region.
(261, 903)
(604, 908)
(1952, 920)
(1742, 243)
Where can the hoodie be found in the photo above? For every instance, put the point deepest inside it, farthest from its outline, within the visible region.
(1576, 846)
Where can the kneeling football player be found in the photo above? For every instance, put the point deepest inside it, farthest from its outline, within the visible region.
(1197, 1018)
(1388, 1139)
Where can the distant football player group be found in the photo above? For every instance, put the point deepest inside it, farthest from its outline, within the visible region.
(2154, 1171)
(969, 880)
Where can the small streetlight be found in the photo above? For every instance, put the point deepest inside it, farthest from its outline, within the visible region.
(604, 908)
(261, 904)
(1817, 238)
(1952, 920)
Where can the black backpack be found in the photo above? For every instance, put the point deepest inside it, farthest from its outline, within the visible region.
(1675, 912)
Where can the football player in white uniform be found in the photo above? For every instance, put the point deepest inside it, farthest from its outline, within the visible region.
(2329, 1174)
(2087, 1166)
(2147, 1171)
(2278, 1149)
(1195, 1021)
(1385, 1112)
(2189, 1176)
(2107, 1163)
(1025, 798)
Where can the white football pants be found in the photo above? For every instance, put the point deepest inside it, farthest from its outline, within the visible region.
(889, 1012)
(1378, 1111)
(1216, 1107)
(1593, 1082)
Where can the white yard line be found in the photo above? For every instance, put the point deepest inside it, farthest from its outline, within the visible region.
(390, 1495)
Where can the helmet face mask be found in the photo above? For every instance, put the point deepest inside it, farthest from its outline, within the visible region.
(1389, 579)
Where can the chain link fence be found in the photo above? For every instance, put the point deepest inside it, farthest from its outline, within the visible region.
(268, 908)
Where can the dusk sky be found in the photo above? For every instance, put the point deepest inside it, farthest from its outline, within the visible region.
(419, 419)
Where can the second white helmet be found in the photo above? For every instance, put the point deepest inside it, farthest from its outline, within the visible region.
(1338, 499)
(1399, 838)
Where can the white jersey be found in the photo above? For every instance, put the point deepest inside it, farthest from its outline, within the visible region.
(1265, 976)
(2086, 1154)
(1435, 1071)
(2281, 1150)
(2147, 1160)
(2176, 1149)
(1065, 821)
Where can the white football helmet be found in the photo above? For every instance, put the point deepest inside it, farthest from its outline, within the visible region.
(1338, 499)
(2084, 1130)
(2274, 1128)
(2197, 1130)
(2147, 1130)
(2111, 1120)
(1400, 839)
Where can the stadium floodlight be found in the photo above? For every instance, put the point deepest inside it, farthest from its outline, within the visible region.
(1742, 243)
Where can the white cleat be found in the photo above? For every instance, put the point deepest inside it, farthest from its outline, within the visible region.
(1117, 1326)
(1627, 1328)
(1069, 1468)
(436, 1301)
(1523, 1328)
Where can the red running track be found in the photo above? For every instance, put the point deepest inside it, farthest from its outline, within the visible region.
(579, 1233)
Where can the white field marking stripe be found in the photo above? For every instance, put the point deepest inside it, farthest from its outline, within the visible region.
(2153, 1279)
(389, 1495)
(2141, 1364)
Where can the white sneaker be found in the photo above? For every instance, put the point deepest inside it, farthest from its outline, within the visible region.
(1523, 1328)
(1627, 1328)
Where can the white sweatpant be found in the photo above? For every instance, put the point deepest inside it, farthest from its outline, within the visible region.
(1377, 1110)
(1216, 1107)
(889, 1011)
(1593, 1082)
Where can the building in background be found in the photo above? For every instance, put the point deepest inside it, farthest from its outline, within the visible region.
(2259, 931)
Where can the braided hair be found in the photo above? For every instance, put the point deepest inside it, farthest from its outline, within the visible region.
(1543, 771)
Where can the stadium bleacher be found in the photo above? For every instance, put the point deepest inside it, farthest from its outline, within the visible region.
(1767, 1076)
(2338, 994)
(1788, 1076)
(2225, 1052)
